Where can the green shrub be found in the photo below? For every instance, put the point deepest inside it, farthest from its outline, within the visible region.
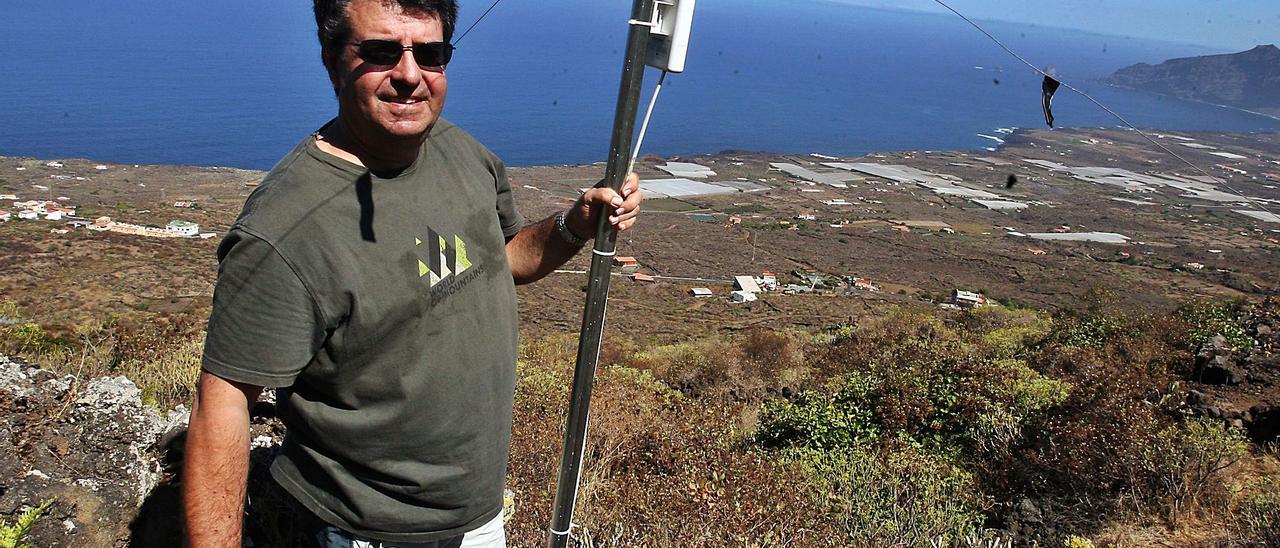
(1088, 331)
(653, 460)
(742, 369)
(911, 375)
(545, 384)
(1077, 542)
(25, 337)
(169, 375)
(682, 361)
(1257, 519)
(1207, 319)
(1027, 389)
(1184, 462)
(1093, 442)
(160, 355)
(29, 338)
(641, 379)
(1018, 394)
(1009, 333)
(894, 497)
(817, 421)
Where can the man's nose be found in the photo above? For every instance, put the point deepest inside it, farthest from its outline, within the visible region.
(407, 72)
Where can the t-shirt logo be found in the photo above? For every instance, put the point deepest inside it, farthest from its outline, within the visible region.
(445, 257)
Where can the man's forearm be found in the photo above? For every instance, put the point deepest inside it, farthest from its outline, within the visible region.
(216, 470)
(537, 250)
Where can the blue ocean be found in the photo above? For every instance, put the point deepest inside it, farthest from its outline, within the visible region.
(239, 82)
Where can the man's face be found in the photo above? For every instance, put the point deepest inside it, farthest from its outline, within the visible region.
(388, 105)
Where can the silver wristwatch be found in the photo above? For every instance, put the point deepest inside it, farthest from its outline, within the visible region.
(566, 234)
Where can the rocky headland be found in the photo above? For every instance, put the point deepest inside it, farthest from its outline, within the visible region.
(1248, 80)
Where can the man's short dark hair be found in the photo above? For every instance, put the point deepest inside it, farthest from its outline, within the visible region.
(334, 29)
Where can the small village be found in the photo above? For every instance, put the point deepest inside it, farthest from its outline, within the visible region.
(60, 210)
(834, 200)
(57, 211)
(748, 288)
(1044, 198)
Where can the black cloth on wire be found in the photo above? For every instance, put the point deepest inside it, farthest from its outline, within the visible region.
(1047, 89)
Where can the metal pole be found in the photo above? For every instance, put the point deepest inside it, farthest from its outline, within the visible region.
(593, 314)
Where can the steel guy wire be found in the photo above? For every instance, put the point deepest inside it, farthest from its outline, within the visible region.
(1104, 107)
(473, 25)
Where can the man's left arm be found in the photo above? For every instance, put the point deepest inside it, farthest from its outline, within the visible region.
(538, 248)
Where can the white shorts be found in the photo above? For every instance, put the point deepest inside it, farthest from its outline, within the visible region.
(489, 535)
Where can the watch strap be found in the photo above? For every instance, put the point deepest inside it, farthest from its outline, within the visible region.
(567, 235)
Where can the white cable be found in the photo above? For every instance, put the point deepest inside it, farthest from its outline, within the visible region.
(644, 126)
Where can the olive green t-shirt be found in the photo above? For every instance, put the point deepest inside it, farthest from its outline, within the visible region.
(384, 311)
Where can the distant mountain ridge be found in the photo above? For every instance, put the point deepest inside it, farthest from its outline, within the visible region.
(1249, 79)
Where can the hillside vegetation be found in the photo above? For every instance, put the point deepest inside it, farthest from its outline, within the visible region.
(913, 427)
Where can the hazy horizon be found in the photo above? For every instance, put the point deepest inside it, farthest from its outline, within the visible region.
(199, 83)
(1229, 25)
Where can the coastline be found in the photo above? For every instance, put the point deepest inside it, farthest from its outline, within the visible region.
(966, 189)
(1275, 117)
(1005, 142)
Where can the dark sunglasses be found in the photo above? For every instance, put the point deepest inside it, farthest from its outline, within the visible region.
(388, 53)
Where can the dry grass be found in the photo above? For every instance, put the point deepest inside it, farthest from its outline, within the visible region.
(661, 468)
(966, 412)
(161, 355)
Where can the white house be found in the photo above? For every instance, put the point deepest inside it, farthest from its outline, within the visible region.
(700, 292)
(742, 297)
(182, 228)
(54, 215)
(746, 283)
(768, 281)
(28, 214)
(967, 299)
(864, 284)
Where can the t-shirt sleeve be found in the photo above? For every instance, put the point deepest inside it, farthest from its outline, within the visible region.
(510, 218)
(265, 326)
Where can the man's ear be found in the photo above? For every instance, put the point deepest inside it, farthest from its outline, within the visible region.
(330, 61)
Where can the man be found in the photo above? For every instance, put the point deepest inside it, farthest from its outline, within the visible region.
(370, 280)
